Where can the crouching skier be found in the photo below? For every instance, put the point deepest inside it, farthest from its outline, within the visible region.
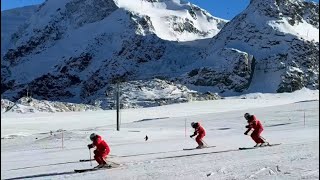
(254, 123)
(199, 130)
(102, 149)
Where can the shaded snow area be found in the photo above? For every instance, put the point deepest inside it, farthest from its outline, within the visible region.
(11, 21)
(30, 150)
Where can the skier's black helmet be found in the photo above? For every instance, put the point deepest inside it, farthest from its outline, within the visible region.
(93, 136)
(194, 124)
(247, 116)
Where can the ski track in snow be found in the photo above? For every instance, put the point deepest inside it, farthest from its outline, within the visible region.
(30, 154)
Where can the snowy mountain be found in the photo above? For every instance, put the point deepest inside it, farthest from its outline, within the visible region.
(272, 46)
(60, 54)
(76, 50)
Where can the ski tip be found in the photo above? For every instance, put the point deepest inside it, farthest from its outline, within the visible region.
(244, 148)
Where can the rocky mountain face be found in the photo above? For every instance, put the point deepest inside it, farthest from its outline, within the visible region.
(61, 55)
(76, 50)
(282, 38)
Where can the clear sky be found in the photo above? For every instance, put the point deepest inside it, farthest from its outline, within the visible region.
(225, 9)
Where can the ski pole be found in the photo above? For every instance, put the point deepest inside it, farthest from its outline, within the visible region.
(204, 142)
(90, 157)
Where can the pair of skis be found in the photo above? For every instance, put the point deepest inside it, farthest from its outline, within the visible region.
(186, 149)
(203, 142)
(107, 166)
(246, 148)
(241, 148)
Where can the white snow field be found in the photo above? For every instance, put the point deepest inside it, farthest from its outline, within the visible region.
(28, 151)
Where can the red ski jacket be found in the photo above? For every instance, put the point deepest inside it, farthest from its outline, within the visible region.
(200, 131)
(255, 124)
(101, 145)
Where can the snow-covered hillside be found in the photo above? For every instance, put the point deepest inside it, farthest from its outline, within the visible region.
(31, 144)
(75, 51)
(272, 45)
(62, 55)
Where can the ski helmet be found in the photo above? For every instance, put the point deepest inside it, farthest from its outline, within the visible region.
(247, 116)
(195, 124)
(93, 136)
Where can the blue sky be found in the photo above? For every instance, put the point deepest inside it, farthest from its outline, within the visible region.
(225, 9)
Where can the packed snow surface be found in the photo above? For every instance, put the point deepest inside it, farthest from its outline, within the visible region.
(29, 150)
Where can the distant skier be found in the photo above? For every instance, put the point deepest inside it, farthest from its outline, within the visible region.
(102, 149)
(146, 138)
(254, 123)
(199, 130)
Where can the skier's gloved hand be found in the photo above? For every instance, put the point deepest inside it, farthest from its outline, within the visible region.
(245, 133)
(247, 126)
(90, 146)
(191, 136)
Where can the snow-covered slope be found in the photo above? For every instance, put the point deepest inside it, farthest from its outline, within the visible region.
(76, 50)
(31, 144)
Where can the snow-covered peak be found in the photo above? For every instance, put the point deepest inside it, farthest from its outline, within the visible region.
(296, 17)
(282, 36)
(169, 17)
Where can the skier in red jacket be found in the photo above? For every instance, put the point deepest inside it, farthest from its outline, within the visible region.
(102, 149)
(254, 123)
(201, 133)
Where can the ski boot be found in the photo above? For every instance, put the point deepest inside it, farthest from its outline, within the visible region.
(100, 166)
(257, 145)
(200, 147)
(264, 144)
